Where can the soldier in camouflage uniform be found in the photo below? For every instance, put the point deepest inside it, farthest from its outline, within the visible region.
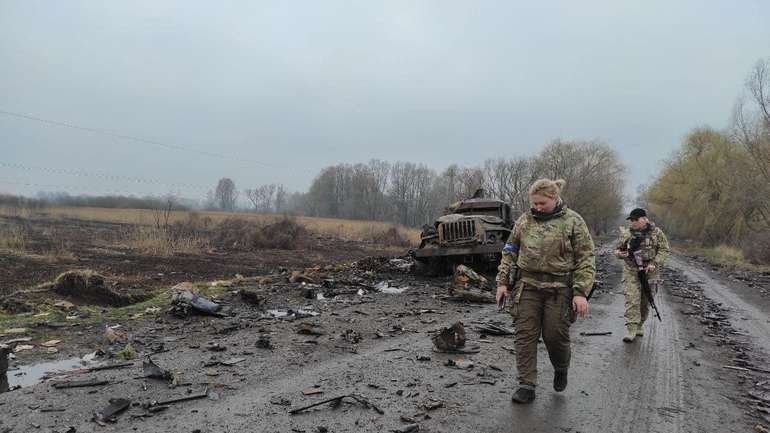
(650, 242)
(549, 257)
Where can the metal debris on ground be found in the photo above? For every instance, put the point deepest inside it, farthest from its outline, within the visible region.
(450, 338)
(490, 328)
(79, 383)
(385, 287)
(465, 277)
(153, 371)
(185, 301)
(189, 397)
(595, 334)
(337, 401)
(312, 391)
(411, 428)
(110, 413)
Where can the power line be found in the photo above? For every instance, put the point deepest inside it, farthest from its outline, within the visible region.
(106, 176)
(132, 137)
(81, 189)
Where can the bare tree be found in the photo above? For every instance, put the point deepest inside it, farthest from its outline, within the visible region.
(226, 194)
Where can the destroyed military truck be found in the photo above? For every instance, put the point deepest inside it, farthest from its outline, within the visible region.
(472, 231)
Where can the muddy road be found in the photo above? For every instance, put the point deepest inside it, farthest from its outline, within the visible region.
(377, 345)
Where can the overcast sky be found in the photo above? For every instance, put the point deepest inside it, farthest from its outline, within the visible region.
(271, 92)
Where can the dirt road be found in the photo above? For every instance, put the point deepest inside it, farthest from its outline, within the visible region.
(672, 380)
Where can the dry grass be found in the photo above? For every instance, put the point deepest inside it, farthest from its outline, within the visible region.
(13, 238)
(725, 255)
(336, 228)
(156, 242)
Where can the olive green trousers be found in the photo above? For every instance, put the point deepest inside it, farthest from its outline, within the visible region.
(547, 313)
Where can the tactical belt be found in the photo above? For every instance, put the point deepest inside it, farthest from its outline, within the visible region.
(545, 277)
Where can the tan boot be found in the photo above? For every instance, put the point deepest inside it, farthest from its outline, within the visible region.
(639, 331)
(630, 333)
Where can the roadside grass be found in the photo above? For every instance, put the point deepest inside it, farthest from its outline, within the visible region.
(725, 255)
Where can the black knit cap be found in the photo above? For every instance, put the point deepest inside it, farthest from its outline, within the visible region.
(636, 214)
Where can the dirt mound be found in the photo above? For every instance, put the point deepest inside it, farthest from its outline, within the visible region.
(88, 287)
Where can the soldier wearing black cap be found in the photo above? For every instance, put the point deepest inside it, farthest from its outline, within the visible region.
(648, 241)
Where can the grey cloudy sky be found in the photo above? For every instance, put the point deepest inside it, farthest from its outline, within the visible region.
(284, 88)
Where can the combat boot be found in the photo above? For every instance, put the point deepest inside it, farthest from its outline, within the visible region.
(559, 381)
(523, 395)
(639, 331)
(630, 333)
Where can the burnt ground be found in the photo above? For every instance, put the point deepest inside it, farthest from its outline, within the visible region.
(377, 345)
(56, 244)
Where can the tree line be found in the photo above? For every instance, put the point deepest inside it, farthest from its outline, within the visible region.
(413, 194)
(716, 188)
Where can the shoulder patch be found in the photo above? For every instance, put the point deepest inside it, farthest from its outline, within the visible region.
(511, 248)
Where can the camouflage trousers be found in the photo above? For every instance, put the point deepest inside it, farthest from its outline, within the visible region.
(637, 306)
(546, 313)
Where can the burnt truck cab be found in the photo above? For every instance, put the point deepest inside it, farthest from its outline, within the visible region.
(471, 231)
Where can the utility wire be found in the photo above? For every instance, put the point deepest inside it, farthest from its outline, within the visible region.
(82, 189)
(133, 138)
(106, 176)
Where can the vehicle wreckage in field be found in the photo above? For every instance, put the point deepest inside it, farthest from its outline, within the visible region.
(472, 231)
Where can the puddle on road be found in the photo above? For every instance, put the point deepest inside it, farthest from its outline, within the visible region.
(27, 375)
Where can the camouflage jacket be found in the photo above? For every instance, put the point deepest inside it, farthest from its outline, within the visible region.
(560, 249)
(652, 245)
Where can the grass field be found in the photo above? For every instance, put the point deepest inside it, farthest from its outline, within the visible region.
(337, 228)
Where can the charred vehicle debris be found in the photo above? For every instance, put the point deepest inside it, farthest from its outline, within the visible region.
(472, 231)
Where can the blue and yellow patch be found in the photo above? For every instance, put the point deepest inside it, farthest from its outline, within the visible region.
(511, 248)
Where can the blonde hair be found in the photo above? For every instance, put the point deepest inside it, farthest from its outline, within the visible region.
(547, 187)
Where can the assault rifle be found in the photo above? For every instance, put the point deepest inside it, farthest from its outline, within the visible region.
(641, 273)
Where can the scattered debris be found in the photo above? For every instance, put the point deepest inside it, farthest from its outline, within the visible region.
(110, 413)
(79, 383)
(189, 397)
(452, 340)
(351, 336)
(251, 297)
(411, 428)
(385, 287)
(64, 305)
(184, 301)
(490, 328)
(216, 347)
(307, 328)
(474, 296)
(312, 391)
(151, 370)
(465, 277)
(263, 342)
(594, 334)
(111, 335)
(23, 348)
(50, 343)
(336, 401)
